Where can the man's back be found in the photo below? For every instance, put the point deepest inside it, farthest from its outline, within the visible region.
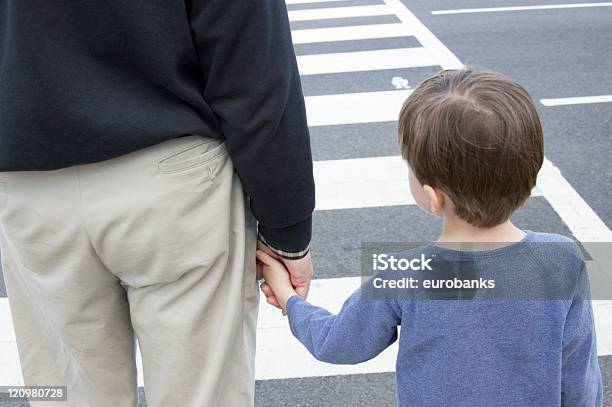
(86, 81)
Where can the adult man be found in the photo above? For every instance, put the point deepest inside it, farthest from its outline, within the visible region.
(121, 124)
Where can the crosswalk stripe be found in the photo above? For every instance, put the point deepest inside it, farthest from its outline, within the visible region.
(520, 8)
(361, 183)
(585, 224)
(311, 1)
(349, 108)
(364, 183)
(315, 35)
(275, 342)
(364, 61)
(577, 100)
(7, 334)
(383, 181)
(339, 12)
(444, 57)
(602, 314)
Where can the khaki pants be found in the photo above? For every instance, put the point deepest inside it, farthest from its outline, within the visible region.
(157, 244)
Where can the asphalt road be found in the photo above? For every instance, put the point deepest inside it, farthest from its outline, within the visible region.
(553, 53)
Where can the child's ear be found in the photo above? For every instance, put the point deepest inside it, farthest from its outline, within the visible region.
(436, 199)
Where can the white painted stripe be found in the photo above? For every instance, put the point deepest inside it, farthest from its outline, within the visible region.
(443, 56)
(275, 342)
(520, 8)
(10, 374)
(602, 312)
(577, 100)
(584, 223)
(140, 380)
(280, 356)
(7, 334)
(10, 371)
(311, 1)
(364, 61)
(364, 183)
(315, 35)
(329, 293)
(339, 12)
(367, 107)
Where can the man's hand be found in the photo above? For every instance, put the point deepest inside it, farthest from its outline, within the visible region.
(300, 270)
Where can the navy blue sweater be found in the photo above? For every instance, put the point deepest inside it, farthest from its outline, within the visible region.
(84, 81)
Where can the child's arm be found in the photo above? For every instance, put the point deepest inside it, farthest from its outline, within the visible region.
(581, 383)
(361, 330)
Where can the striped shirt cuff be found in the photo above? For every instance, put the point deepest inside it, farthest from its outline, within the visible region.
(285, 255)
(290, 242)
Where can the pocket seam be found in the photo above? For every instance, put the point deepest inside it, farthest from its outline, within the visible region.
(192, 162)
(185, 149)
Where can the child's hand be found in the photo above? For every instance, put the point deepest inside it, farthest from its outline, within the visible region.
(277, 277)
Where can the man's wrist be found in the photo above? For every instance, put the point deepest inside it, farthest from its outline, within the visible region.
(291, 242)
(281, 253)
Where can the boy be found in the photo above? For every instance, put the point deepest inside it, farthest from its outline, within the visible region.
(474, 146)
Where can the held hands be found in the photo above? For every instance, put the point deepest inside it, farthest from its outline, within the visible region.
(300, 274)
(278, 286)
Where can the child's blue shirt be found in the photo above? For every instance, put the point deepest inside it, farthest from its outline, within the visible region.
(517, 351)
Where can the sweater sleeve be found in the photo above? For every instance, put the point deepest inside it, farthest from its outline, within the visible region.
(581, 382)
(253, 86)
(362, 329)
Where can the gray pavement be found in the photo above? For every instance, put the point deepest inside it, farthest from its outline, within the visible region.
(554, 53)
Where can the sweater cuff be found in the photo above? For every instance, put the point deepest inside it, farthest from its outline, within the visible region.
(291, 242)
(291, 301)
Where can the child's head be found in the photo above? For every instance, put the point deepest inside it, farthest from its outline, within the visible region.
(474, 137)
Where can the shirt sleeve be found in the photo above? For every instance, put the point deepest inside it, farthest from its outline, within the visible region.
(362, 329)
(252, 84)
(581, 382)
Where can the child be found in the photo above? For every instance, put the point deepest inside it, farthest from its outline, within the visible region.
(474, 146)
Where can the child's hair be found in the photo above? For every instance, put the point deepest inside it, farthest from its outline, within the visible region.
(475, 135)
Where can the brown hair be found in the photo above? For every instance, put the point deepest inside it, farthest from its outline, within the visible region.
(475, 135)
